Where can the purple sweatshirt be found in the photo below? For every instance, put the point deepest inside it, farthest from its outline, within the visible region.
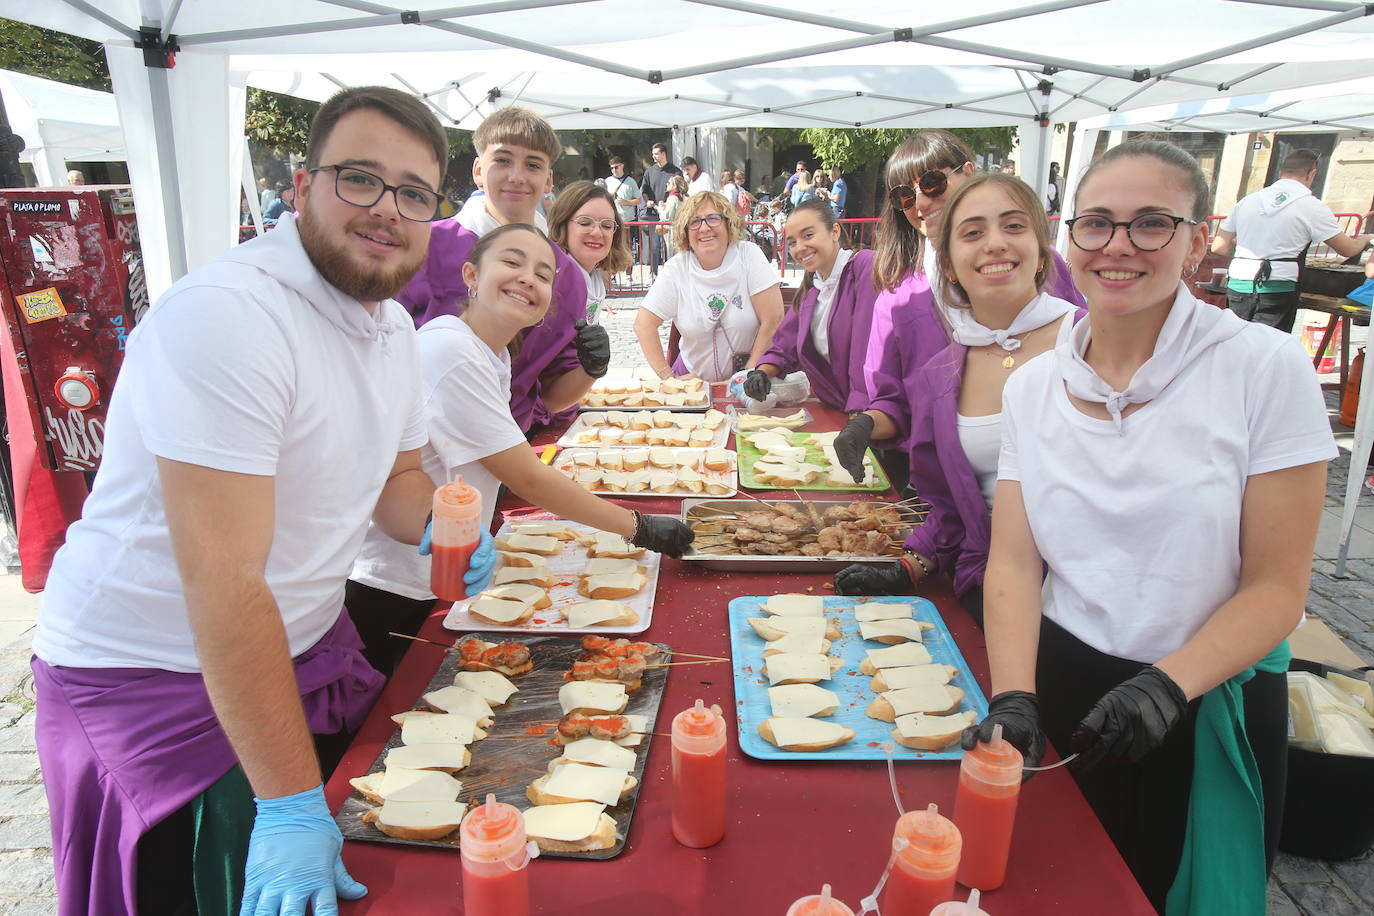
(838, 381)
(548, 350)
(957, 532)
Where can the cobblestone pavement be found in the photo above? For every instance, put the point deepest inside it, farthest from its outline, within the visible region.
(1299, 886)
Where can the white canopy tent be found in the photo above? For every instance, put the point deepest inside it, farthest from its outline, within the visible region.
(60, 123)
(592, 63)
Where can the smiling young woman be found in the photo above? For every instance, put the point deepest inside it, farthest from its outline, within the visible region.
(1122, 621)
(585, 225)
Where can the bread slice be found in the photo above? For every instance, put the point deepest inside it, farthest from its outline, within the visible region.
(642, 420)
(662, 481)
(493, 686)
(799, 668)
(605, 566)
(530, 543)
(516, 558)
(693, 384)
(541, 576)
(588, 478)
(931, 733)
(612, 585)
(439, 728)
(617, 418)
(615, 481)
(578, 827)
(891, 632)
(670, 386)
(403, 784)
(701, 438)
(591, 698)
(447, 758)
(662, 457)
(772, 628)
(657, 437)
(717, 459)
(798, 643)
(690, 480)
(500, 611)
(636, 481)
(803, 700)
(900, 656)
(533, 595)
(897, 678)
(634, 437)
(608, 544)
(599, 613)
(712, 419)
(459, 700)
(715, 487)
(416, 821)
(930, 699)
(804, 734)
(611, 460)
(867, 611)
(574, 782)
(594, 399)
(584, 459)
(794, 605)
(662, 419)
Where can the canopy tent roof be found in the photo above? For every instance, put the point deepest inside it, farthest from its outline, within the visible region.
(59, 123)
(602, 63)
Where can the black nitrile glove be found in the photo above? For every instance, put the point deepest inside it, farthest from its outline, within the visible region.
(662, 533)
(1018, 712)
(852, 442)
(861, 579)
(1131, 719)
(757, 384)
(593, 348)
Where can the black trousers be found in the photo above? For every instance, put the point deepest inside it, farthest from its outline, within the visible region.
(1277, 310)
(1144, 806)
(376, 613)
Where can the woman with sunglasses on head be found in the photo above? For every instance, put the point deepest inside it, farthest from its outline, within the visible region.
(718, 290)
(825, 333)
(585, 225)
(995, 255)
(907, 329)
(1161, 478)
(465, 364)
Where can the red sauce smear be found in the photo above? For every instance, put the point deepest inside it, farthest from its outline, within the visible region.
(538, 729)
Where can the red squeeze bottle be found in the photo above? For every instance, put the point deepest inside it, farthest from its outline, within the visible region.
(922, 875)
(821, 904)
(494, 854)
(699, 776)
(457, 521)
(985, 810)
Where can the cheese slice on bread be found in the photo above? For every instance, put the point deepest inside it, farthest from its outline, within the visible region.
(592, 697)
(797, 668)
(596, 752)
(405, 784)
(459, 700)
(802, 734)
(912, 676)
(530, 543)
(494, 687)
(605, 566)
(439, 728)
(891, 631)
(774, 628)
(797, 643)
(546, 528)
(576, 782)
(419, 821)
(932, 699)
(803, 701)
(579, 827)
(931, 733)
(879, 610)
(447, 757)
(794, 605)
(901, 656)
(500, 610)
(612, 585)
(609, 544)
(600, 612)
(541, 576)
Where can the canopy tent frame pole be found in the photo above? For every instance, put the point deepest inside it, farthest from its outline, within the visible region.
(168, 170)
(104, 18)
(1316, 5)
(1258, 71)
(1261, 41)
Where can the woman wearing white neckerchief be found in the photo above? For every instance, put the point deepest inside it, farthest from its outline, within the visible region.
(1166, 471)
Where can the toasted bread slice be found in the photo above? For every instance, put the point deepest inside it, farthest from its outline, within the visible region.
(605, 566)
(516, 558)
(717, 459)
(530, 543)
(690, 480)
(416, 821)
(447, 758)
(552, 827)
(541, 576)
(797, 668)
(500, 611)
(608, 544)
(929, 699)
(575, 782)
(891, 632)
(612, 585)
(662, 481)
(599, 613)
(803, 700)
(533, 595)
(493, 686)
(900, 656)
(931, 733)
(803, 734)
(611, 460)
(897, 678)
(771, 628)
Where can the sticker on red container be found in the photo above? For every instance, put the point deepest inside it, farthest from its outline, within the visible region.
(41, 305)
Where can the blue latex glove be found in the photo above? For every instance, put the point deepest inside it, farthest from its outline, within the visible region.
(482, 565)
(424, 548)
(293, 859)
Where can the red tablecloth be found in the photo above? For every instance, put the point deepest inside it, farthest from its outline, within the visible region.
(792, 826)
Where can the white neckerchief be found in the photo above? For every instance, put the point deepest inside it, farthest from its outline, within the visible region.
(825, 302)
(1191, 328)
(596, 293)
(475, 217)
(1037, 313)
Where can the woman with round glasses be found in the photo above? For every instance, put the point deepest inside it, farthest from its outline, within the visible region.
(718, 290)
(995, 256)
(908, 326)
(1160, 483)
(584, 224)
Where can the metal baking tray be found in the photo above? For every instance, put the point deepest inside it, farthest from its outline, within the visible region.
(507, 767)
(727, 562)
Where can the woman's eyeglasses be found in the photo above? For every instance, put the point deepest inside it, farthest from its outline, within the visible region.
(586, 222)
(714, 220)
(931, 184)
(1147, 232)
(361, 188)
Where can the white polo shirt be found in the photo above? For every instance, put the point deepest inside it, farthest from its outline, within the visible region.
(1277, 222)
(1140, 528)
(255, 365)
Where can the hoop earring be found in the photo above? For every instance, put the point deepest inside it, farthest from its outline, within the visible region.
(472, 294)
(1192, 271)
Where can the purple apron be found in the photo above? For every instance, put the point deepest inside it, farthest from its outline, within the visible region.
(548, 349)
(838, 381)
(957, 532)
(904, 334)
(123, 748)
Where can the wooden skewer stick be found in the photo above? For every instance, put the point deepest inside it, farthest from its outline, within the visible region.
(548, 736)
(679, 664)
(422, 639)
(714, 658)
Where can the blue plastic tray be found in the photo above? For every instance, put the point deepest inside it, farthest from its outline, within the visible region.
(751, 687)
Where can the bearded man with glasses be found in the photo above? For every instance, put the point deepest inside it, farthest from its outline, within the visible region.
(197, 678)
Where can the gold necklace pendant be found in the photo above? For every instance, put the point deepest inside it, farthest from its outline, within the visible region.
(1009, 361)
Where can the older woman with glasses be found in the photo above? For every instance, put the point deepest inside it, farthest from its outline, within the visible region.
(718, 290)
(585, 225)
(910, 324)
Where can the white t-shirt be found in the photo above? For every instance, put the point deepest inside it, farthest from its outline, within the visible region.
(467, 405)
(474, 217)
(596, 293)
(1277, 222)
(702, 182)
(1140, 528)
(713, 309)
(731, 192)
(255, 365)
(825, 303)
(981, 438)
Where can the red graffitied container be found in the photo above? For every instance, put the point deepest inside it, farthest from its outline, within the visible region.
(495, 860)
(457, 528)
(699, 776)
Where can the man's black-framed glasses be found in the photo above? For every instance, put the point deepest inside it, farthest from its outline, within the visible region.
(1147, 232)
(931, 184)
(362, 188)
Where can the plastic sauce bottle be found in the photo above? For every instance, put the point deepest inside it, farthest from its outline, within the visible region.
(495, 855)
(821, 904)
(985, 810)
(457, 521)
(922, 875)
(960, 908)
(699, 776)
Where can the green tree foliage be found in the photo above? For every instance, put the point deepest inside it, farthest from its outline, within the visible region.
(52, 55)
(852, 148)
(280, 123)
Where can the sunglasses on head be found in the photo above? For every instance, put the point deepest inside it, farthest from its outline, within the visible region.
(931, 184)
